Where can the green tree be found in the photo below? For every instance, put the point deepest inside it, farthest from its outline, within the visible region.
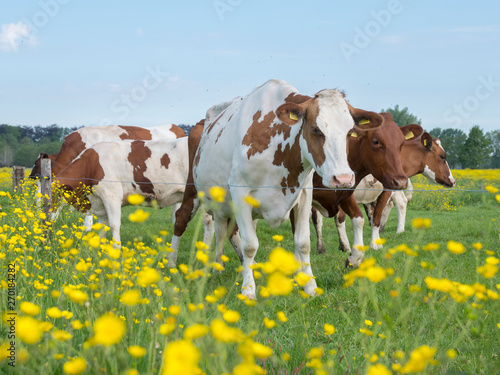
(402, 117)
(494, 138)
(477, 149)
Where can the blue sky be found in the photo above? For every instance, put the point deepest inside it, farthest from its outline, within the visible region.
(151, 63)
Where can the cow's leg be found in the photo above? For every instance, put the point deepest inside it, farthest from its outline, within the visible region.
(55, 214)
(88, 221)
(351, 208)
(400, 201)
(377, 214)
(249, 240)
(221, 228)
(208, 229)
(235, 241)
(369, 210)
(302, 238)
(114, 212)
(385, 214)
(340, 224)
(317, 220)
(183, 216)
(175, 207)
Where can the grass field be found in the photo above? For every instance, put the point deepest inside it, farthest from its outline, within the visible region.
(410, 309)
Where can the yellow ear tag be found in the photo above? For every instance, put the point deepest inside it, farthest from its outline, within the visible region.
(409, 135)
(293, 116)
(425, 142)
(364, 121)
(354, 134)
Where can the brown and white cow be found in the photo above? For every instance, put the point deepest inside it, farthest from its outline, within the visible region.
(420, 155)
(373, 151)
(266, 146)
(155, 169)
(83, 138)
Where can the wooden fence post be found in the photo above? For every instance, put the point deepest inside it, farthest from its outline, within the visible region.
(46, 185)
(17, 179)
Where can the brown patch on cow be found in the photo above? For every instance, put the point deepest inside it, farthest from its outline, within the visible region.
(211, 125)
(179, 133)
(290, 158)
(72, 146)
(165, 161)
(315, 142)
(218, 135)
(134, 132)
(259, 134)
(296, 98)
(139, 153)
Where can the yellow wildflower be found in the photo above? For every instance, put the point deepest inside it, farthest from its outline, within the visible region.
(329, 329)
(136, 351)
(78, 296)
(281, 316)
(217, 193)
(279, 285)
(181, 357)
(195, 331)
(28, 329)
(108, 329)
(231, 316)
(378, 369)
(29, 308)
(252, 201)
(75, 366)
(147, 276)
(130, 297)
(455, 247)
(269, 323)
(135, 199)
(138, 216)
(421, 223)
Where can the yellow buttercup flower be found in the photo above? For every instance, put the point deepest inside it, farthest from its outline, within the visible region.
(29, 308)
(75, 366)
(61, 335)
(231, 316)
(283, 261)
(131, 297)
(279, 284)
(108, 329)
(28, 329)
(269, 323)
(135, 199)
(278, 237)
(491, 189)
(138, 216)
(455, 247)
(195, 331)
(252, 201)
(136, 351)
(302, 279)
(378, 369)
(281, 316)
(421, 223)
(147, 276)
(181, 357)
(174, 310)
(329, 329)
(78, 296)
(217, 193)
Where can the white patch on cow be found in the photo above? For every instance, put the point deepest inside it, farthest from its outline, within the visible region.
(333, 119)
(429, 174)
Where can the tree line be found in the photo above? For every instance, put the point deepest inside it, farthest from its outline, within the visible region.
(21, 145)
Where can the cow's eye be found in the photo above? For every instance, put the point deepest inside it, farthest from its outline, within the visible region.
(316, 131)
(375, 142)
(442, 157)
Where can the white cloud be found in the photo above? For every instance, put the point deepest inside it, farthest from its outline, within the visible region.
(13, 34)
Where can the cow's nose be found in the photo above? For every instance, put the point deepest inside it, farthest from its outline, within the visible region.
(343, 180)
(400, 183)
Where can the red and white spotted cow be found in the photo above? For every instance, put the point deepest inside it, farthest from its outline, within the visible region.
(266, 146)
(155, 169)
(84, 138)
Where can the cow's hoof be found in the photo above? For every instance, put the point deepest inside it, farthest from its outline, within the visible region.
(345, 249)
(321, 250)
(310, 288)
(375, 246)
(352, 263)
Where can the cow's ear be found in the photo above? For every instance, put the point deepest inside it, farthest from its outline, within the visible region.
(356, 133)
(412, 131)
(290, 113)
(365, 119)
(427, 141)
